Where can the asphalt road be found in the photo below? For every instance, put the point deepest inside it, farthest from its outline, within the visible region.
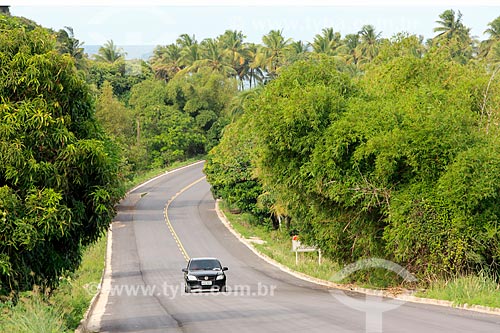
(145, 290)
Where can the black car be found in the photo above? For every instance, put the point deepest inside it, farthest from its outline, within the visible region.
(204, 273)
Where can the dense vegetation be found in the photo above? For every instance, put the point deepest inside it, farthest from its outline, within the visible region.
(397, 159)
(365, 146)
(58, 169)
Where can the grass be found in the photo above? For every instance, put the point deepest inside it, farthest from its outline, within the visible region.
(480, 289)
(472, 290)
(62, 309)
(32, 314)
(278, 246)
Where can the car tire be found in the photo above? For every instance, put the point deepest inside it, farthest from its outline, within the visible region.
(187, 288)
(222, 289)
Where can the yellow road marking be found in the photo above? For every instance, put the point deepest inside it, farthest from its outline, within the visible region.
(169, 224)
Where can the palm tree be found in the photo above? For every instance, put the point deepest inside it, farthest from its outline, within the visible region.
(190, 51)
(255, 65)
(67, 43)
(297, 51)
(494, 37)
(369, 43)
(328, 42)
(350, 48)
(454, 36)
(212, 57)
(166, 61)
(451, 26)
(273, 51)
(494, 30)
(109, 52)
(236, 52)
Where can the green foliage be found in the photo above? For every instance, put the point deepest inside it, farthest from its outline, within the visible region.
(166, 132)
(205, 96)
(33, 315)
(58, 171)
(121, 74)
(116, 119)
(401, 163)
(229, 169)
(481, 289)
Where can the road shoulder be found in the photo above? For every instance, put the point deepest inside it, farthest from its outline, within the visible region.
(405, 296)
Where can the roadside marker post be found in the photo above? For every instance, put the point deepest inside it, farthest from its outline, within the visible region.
(298, 247)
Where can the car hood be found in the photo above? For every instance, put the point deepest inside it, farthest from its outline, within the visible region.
(204, 273)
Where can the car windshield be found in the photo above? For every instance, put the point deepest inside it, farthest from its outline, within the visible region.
(205, 264)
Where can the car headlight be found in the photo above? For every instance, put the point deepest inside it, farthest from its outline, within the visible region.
(191, 278)
(220, 277)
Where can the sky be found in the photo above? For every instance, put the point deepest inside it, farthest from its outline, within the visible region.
(145, 24)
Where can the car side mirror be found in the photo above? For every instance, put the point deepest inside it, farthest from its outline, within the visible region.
(184, 270)
(225, 268)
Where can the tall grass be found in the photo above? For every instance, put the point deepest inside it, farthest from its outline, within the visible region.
(62, 309)
(479, 289)
(33, 314)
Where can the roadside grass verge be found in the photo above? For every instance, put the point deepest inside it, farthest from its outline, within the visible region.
(62, 309)
(471, 290)
(479, 289)
(278, 246)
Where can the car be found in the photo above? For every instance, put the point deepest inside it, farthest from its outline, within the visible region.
(203, 274)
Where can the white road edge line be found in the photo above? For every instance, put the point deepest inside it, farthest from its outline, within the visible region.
(372, 292)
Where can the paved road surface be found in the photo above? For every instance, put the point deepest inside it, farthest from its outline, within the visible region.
(147, 293)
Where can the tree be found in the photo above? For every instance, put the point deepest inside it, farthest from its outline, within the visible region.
(110, 53)
(206, 96)
(351, 49)
(59, 176)
(229, 168)
(236, 51)
(67, 43)
(167, 61)
(273, 51)
(493, 38)
(454, 36)
(369, 43)
(166, 133)
(115, 118)
(121, 74)
(298, 51)
(189, 49)
(451, 25)
(255, 65)
(213, 57)
(327, 43)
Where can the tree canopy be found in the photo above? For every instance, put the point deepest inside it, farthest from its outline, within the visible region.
(58, 171)
(400, 163)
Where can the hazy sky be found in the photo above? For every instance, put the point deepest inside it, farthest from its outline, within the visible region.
(152, 22)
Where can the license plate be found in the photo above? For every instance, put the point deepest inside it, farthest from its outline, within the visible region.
(206, 283)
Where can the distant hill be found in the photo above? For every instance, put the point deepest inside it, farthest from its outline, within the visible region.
(143, 52)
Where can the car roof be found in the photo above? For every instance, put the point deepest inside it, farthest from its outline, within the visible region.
(204, 258)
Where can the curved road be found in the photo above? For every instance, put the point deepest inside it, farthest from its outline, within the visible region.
(143, 289)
